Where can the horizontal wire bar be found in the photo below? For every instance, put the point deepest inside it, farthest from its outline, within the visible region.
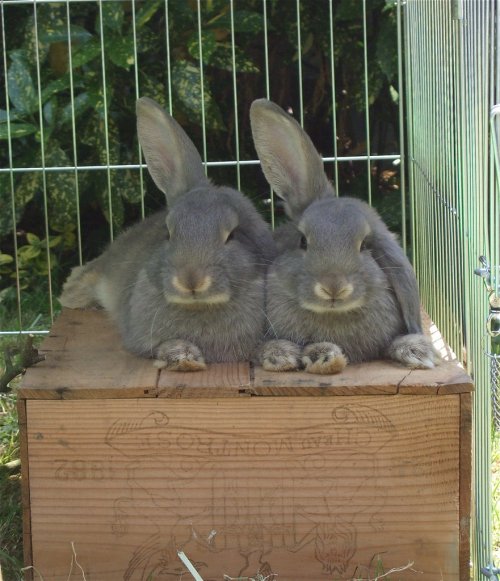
(10, 333)
(230, 163)
(38, 2)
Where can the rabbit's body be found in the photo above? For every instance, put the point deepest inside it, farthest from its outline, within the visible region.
(341, 288)
(184, 286)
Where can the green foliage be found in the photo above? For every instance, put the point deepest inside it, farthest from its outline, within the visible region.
(61, 113)
(11, 552)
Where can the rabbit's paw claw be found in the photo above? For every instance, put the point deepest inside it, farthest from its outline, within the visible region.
(323, 358)
(179, 356)
(280, 355)
(415, 351)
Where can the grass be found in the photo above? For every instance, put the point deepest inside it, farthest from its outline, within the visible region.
(11, 551)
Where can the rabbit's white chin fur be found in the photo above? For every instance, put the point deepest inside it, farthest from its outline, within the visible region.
(216, 299)
(337, 307)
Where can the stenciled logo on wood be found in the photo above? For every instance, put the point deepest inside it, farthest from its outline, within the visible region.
(253, 494)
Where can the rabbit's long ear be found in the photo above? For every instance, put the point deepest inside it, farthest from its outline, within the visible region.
(289, 159)
(173, 161)
(398, 270)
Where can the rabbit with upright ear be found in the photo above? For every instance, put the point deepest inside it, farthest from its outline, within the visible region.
(186, 285)
(341, 289)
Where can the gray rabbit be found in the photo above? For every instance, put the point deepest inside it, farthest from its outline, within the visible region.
(186, 285)
(341, 289)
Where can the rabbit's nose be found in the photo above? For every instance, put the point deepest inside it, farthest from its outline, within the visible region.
(341, 290)
(192, 283)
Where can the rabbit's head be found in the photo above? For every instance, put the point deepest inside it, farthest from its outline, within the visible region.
(339, 257)
(214, 240)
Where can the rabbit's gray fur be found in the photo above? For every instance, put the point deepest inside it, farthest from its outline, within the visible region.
(178, 288)
(352, 287)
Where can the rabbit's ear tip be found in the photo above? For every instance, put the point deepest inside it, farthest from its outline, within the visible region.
(146, 104)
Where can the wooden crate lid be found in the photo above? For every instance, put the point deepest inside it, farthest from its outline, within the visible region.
(84, 359)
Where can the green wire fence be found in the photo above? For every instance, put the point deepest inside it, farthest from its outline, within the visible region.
(452, 72)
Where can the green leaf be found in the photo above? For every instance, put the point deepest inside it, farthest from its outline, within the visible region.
(117, 208)
(28, 252)
(186, 85)
(59, 85)
(49, 111)
(112, 16)
(222, 58)
(33, 239)
(58, 32)
(21, 88)
(120, 50)
(81, 103)
(244, 21)
(386, 49)
(145, 14)
(86, 52)
(54, 241)
(208, 45)
(6, 259)
(127, 183)
(60, 188)
(17, 130)
(13, 115)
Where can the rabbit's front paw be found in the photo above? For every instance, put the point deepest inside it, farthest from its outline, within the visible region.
(280, 355)
(323, 358)
(179, 355)
(415, 351)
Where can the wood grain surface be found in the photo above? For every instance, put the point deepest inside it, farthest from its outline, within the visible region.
(84, 358)
(303, 487)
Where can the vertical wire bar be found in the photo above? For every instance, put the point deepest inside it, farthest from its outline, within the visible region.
(136, 80)
(402, 164)
(334, 99)
(235, 95)
(202, 87)
(106, 125)
(42, 153)
(169, 72)
(268, 93)
(11, 173)
(299, 59)
(367, 103)
(73, 135)
(409, 108)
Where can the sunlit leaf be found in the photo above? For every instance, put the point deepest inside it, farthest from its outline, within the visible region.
(186, 85)
(208, 44)
(33, 239)
(16, 130)
(145, 14)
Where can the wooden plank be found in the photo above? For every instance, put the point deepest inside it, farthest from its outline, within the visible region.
(218, 380)
(445, 379)
(302, 487)
(465, 476)
(84, 358)
(376, 377)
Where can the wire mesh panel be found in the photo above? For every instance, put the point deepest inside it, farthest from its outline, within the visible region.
(452, 76)
(71, 176)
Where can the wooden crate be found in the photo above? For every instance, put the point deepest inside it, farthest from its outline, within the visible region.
(309, 477)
